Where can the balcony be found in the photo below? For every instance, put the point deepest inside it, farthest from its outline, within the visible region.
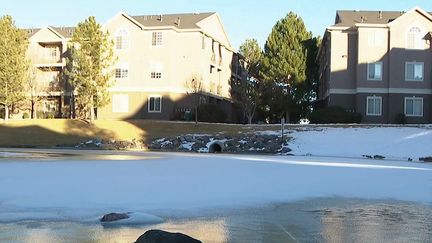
(219, 90)
(47, 62)
(213, 59)
(46, 57)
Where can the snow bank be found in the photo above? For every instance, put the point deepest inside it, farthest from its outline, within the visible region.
(391, 142)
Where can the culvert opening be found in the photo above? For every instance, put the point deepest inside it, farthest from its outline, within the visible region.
(215, 148)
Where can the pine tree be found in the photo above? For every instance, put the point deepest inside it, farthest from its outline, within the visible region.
(247, 92)
(252, 53)
(283, 65)
(90, 63)
(307, 91)
(13, 64)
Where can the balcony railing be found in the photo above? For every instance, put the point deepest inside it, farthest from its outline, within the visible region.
(46, 60)
(42, 57)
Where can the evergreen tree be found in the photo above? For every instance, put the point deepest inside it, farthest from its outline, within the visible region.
(247, 92)
(90, 65)
(307, 91)
(252, 53)
(284, 65)
(13, 64)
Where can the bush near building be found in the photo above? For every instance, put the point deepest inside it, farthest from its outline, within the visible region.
(334, 114)
(211, 113)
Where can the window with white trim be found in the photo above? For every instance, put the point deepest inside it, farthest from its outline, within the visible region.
(122, 39)
(156, 70)
(203, 42)
(157, 38)
(414, 71)
(414, 39)
(155, 103)
(156, 75)
(120, 103)
(374, 106)
(376, 38)
(413, 106)
(51, 53)
(374, 71)
(121, 72)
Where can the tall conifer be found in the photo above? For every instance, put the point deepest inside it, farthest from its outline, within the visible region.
(90, 67)
(13, 64)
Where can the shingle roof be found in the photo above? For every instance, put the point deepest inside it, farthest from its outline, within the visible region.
(66, 32)
(31, 32)
(187, 20)
(347, 18)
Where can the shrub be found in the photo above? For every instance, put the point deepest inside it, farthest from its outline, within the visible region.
(334, 114)
(400, 119)
(211, 113)
(45, 115)
(50, 115)
(26, 115)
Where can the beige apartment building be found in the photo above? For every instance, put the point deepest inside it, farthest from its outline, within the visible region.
(157, 57)
(47, 51)
(379, 63)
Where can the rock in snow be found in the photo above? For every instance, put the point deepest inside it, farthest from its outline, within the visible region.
(114, 217)
(160, 236)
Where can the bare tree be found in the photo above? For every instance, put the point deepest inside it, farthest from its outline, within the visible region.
(33, 90)
(194, 87)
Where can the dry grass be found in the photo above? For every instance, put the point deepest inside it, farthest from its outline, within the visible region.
(51, 132)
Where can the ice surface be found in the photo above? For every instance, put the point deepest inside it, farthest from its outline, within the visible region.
(86, 189)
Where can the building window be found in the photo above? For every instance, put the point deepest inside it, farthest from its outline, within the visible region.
(374, 106)
(374, 71)
(155, 103)
(122, 40)
(414, 39)
(121, 72)
(156, 75)
(120, 103)
(414, 71)
(157, 38)
(376, 38)
(203, 42)
(51, 52)
(220, 53)
(413, 106)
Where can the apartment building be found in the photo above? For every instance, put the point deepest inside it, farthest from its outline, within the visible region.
(157, 58)
(379, 63)
(47, 51)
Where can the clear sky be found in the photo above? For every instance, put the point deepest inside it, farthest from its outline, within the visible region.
(242, 18)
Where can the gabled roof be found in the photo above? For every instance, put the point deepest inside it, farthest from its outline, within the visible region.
(66, 32)
(348, 18)
(30, 32)
(187, 20)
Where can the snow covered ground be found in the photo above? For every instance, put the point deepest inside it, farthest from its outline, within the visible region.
(391, 142)
(79, 188)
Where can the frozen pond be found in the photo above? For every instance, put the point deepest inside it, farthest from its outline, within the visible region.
(58, 196)
(314, 220)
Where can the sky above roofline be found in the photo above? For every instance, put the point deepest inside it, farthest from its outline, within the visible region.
(242, 19)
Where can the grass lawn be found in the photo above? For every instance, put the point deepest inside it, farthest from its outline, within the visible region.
(51, 132)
